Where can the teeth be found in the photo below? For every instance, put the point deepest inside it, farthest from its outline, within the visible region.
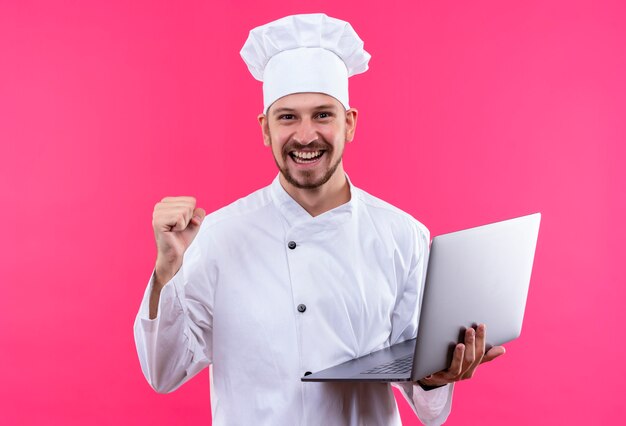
(306, 155)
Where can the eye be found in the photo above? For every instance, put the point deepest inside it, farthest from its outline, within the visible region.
(323, 115)
(286, 117)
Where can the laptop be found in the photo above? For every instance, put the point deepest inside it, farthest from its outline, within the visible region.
(478, 275)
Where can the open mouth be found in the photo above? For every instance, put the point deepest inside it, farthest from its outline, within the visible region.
(306, 157)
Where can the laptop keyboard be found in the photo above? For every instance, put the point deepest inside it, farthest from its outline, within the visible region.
(401, 365)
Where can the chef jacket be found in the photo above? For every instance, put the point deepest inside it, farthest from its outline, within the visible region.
(267, 293)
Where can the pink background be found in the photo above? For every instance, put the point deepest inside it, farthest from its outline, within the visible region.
(471, 112)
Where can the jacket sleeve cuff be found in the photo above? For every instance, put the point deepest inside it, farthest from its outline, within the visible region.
(432, 407)
(171, 298)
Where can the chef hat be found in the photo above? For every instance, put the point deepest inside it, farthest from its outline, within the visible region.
(304, 53)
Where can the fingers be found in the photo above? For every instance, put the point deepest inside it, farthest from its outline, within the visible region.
(198, 216)
(481, 340)
(428, 380)
(450, 375)
(174, 214)
(494, 353)
(177, 199)
(470, 347)
(469, 359)
(474, 355)
(466, 358)
(456, 366)
(478, 349)
(455, 371)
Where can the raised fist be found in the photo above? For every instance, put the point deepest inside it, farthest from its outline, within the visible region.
(176, 222)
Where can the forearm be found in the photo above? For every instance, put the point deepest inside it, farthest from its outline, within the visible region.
(163, 273)
(171, 347)
(155, 294)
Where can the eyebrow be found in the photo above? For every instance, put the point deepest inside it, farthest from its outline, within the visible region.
(282, 110)
(316, 108)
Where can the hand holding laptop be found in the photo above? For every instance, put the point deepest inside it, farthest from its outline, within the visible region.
(467, 357)
(475, 276)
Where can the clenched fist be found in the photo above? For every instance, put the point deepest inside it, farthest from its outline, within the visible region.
(176, 222)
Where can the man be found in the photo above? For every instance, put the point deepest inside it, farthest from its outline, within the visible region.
(301, 275)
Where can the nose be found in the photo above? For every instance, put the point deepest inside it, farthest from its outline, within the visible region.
(305, 132)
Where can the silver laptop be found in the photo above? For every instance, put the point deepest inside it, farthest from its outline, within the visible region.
(479, 275)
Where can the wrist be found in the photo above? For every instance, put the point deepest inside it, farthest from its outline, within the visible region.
(163, 274)
(166, 266)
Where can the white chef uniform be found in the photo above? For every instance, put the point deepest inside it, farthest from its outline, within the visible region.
(267, 293)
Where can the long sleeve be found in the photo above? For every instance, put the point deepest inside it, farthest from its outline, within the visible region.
(177, 344)
(431, 407)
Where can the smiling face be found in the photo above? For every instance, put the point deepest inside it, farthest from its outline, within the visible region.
(307, 133)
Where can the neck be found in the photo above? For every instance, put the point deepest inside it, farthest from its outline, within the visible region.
(319, 200)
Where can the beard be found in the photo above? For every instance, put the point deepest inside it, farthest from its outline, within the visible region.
(307, 178)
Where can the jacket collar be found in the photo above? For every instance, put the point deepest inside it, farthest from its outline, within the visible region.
(296, 215)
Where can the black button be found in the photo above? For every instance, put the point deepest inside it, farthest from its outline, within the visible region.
(308, 373)
(301, 308)
(291, 245)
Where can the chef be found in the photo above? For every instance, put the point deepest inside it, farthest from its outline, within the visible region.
(303, 274)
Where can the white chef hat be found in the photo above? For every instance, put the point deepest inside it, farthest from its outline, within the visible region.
(304, 53)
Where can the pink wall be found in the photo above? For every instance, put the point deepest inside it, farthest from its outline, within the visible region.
(471, 112)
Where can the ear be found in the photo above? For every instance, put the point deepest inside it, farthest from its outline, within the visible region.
(351, 117)
(265, 128)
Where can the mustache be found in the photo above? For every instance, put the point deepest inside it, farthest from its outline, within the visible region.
(315, 145)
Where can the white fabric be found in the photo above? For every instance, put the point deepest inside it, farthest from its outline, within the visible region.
(304, 70)
(358, 268)
(305, 53)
